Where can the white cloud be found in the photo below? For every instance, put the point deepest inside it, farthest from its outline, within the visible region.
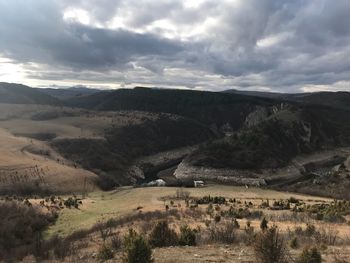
(270, 41)
(337, 86)
(76, 15)
(10, 71)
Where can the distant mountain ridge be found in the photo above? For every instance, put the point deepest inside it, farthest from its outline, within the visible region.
(256, 93)
(210, 108)
(157, 99)
(68, 93)
(339, 99)
(21, 94)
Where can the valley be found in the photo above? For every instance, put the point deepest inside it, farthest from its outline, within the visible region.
(132, 138)
(94, 165)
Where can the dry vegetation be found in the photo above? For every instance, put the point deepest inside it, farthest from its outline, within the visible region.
(28, 163)
(215, 223)
(25, 172)
(48, 149)
(212, 224)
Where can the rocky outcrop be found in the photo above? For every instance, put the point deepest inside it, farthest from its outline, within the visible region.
(262, 113)
(147, 168)
(257, 116)
(347, 163)
(301, 168)
(185, 172)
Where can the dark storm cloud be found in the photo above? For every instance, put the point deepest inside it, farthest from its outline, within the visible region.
(40, 35)
(312, 48)
(279, 44)
(88, 47)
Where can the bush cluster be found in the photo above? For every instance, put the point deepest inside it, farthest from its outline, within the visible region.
(72, 202)
(187, 236)
(211, 200)
(310, 255)
(241, 213)
(224, 233)
(105, 253)
(281, 205)
(269, 246)
(163, 236)
(136, 249)
(333, 212)
(20, 229)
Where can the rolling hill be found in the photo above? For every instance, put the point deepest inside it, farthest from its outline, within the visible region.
(68, 93)
(120, 135)
(340, 99)
(276, 137)
(20, 94)
(210, 108)
(262, 94)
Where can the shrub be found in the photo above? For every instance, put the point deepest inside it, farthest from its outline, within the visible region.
(333, 217)
(281, 205)
(263, 224)
(181, 194)
(210, 209)
(265, 204)
(240, 213)
(61, 249)
(310, 255)
(294, 244)
(187, 236)
(217, 218)
(298, 230)
(162, 235)
(327, 236)
(211, 200)
(104, 229)
(21, 226)
(249, 236)
(333, 212)
(71, 202)
(105, 253)
(136, 249)
(116, 242)
(293, 200)
(310, 230)
(269, 247)
(338, 259)
(226, 233)
(236, 224)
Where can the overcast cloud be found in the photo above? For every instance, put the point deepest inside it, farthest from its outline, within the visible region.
(276, 45)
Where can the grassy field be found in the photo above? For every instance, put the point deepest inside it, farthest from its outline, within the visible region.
(125, 201)
(100, 206)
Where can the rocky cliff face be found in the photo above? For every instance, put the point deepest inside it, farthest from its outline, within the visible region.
(262, 113)
(147, 168)
(255, 117)
(272, 136)
(187, 173)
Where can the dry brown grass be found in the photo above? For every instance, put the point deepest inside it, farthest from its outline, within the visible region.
(30, 165)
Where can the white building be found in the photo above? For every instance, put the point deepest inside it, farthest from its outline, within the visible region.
(198, 183)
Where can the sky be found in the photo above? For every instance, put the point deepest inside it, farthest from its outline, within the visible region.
(265, 45)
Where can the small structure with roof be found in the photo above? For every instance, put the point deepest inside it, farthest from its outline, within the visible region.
(198, 183)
